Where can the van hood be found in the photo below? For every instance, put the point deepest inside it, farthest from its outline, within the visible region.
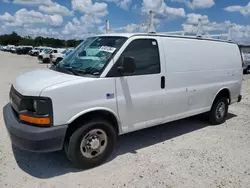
(32, 83)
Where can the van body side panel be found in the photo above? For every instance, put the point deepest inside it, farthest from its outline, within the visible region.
(201, 68)
(81, 95)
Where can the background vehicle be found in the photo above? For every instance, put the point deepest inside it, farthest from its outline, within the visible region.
(35, 51)
(4, 48)
(57, 57)
(245, 51)
(119, 83)
(23, 49)
(44, 56)
(13, 49)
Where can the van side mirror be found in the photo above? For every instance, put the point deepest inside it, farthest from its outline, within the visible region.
(128, 66)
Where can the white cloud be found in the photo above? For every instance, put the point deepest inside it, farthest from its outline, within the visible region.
(240, 33)
(175, 12)
(161, 10)
(244, 10)
(55, 8)
(87, 7)
(193, 18)
(195, 4)
(76, 21)
(44, 32)
(57, 20)
(124, 4)
(191, 24)
(25, 18)
(33, 2)
(6, 1)
(87, 24)
(90, 20)
(6, 17)
(102, 29)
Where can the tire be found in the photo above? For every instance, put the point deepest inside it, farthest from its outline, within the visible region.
(46, 60)
(58, 60)
(73, 144)
(216, 116)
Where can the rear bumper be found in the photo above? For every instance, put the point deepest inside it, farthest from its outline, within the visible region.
(30, 138)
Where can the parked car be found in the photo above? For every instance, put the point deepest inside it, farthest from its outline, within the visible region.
(245, 51)
(24, 49)
(45, 55)
(4, 48)
(116, 84)
(35, 51)
(13, 49)
(55, 58)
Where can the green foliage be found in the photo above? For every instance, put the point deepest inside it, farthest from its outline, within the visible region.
(15, 39)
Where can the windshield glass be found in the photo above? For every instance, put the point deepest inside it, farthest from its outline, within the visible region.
(46, 51)
(92, 55)
(68, 52)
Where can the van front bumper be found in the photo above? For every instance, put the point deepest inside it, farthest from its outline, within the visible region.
(31, 138)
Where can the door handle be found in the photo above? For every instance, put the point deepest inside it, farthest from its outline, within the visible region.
(162, 82)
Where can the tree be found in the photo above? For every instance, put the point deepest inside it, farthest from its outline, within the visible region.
(15, 39)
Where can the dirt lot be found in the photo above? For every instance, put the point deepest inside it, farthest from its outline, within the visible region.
(187, 153)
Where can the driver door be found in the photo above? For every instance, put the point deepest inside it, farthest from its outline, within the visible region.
(140, 95)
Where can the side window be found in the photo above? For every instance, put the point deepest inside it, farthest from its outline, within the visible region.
(146, 55)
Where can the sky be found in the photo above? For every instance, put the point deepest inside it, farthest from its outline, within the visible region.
(77, 19)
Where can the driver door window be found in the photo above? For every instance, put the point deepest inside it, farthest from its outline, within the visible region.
(146, 55)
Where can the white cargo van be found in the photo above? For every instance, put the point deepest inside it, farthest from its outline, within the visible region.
(117, 83)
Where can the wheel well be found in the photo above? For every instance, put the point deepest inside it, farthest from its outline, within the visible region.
(223, 93)
(91, 115)
(59, 59)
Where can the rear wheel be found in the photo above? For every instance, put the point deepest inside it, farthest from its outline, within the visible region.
(219, 111)
(58, 60)
(91, 144)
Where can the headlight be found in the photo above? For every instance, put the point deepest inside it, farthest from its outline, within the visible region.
(36, 110)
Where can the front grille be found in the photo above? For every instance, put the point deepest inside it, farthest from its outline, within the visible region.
(15, 99)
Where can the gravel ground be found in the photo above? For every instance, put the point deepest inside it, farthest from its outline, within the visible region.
(187, 153)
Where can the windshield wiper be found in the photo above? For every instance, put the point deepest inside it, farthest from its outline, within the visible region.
(67, 69)
(74, 71)
(82, 71)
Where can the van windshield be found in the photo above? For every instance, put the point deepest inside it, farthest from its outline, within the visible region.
(91, 56)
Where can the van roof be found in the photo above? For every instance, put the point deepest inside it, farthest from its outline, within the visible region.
(128, 35)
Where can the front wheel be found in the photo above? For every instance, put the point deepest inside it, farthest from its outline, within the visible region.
(91, 144)
(219, 111)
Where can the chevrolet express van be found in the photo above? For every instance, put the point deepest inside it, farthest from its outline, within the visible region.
(114, 84)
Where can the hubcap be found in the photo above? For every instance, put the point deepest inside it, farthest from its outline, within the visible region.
(93, 143)
(220, 110)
